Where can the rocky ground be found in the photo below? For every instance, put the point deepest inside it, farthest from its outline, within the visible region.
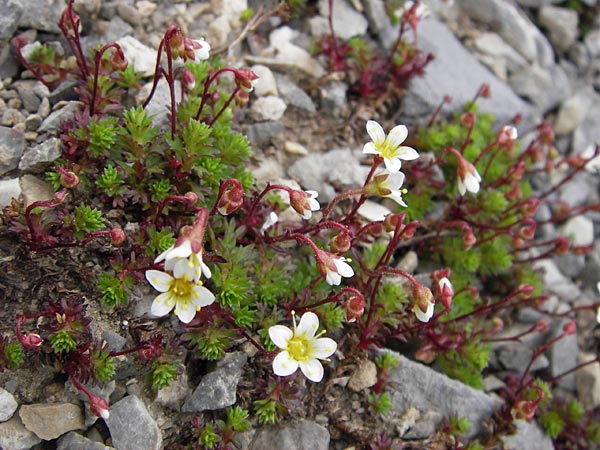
(540, 59)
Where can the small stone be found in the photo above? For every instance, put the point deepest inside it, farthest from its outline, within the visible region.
(51, 420)
(563, 353)
(145, 8)
(546, 87)
(295, 148)
(56, 118)
(115, 341)
(9, 189)
(40, 155)
(528, 436)
(129, 13)
(10, 14)
(33, 189)
(516, 356)
(573, 111)
(265, 84)
(347, 22)
(14, 436)
(587, 380)
(64, 92)
(217, 389)
(140, 56)
(32, 122)
(364, 376)
(173, 395)
(12, 117)
(12, 145)
(579, 230)
(268, 108)
(334, 99)
(44, 109)
(8, 405)
(263, 132)
(218, 31)
(31, 102)
(409, 262)
(562, 25)
(298, 435)
(232, 9)
(131, 426)
(425, 425)
(293, 95)
(75, 441)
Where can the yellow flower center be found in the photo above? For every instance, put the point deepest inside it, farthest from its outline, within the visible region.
(182, 290)
(386, 149)
(298, 348)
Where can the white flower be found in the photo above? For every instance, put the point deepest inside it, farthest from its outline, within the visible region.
(174, 254)
(336, 269)
(301, 348)
(181, 291)
(203, 52)
(509, 133)
(468, 177)
(424, 316)
(181, 251)
(271, 220)
(304, 202)
(388, 147)
(389, 185)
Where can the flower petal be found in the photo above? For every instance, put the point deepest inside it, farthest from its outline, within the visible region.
(343, 268)
(370, 149)
(312, 369)
(333, 278)
(314, 204)
(162, 305)
(407, 153)
(284, 365)
(280, 335)
(160, 281)
(462, 189)
(392, 164)
(186, 311)
(202, 296)
(395, 180)
(397, 135)
(164, 254)
(397, 197)
(309, 323)
(376, 132)
(184, 268)
(471, 183)
(424, 316)
(322, 348)
(181, 251)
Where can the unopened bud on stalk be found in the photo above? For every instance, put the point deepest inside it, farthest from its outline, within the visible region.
(118, 60)
(99, 406)
(423, 303)
(242, 98)
(542, 326)
(68, 179)
(340, 243)
(469, 239)
(391, 221)
(191, 197)
(467, 120)
(354, 307)
(188, 79)
(527, 232)
(445, 292)
(31, 341)
(117, 236)
(570, 327)
(231, 196)
(562, 245)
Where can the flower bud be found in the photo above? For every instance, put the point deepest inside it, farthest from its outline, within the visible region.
(242, 98)
(530, 206)
(68, 179)
(469, 239)
(117, 236)
(423, 303)
(445, 292)
(546, 133)
(191, 197)
(244, 78)
(517, 242)
(118, 60)
(562, 245)
(570, 327)
(486, 92)
(99, 406)
(523, 410)
(355, 308)
(340, 243)
(410, 229)
(497, 325)
(31, 341)
(231, 196)
(188, 80)
(527, 232)
(542, 326)
(391, 221)
(60, 196)
(467, 120)
(507, 135)
(425, 354)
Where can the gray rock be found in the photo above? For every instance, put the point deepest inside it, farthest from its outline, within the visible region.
(499, 52)
(263, 132)
(589, 276)
(573, 110)
(14, 436)
(537, 3)
(129, 14)
(12, 145)
(333, 98)
(63, 92)
(75, 441)
(570, 265)
(545, 87)
(293, 95)
(579, 230)
(56, 118)
(51, 420)
(530, 315)
(297, 435)
(9, 66)
(347, 22)
(131, 426)
(40, 155)
(173, 395)
(269, 108)
(425, 426)
(456, 72)
(379, 22)
(34, 189)
(556, 281)
(322, 171)
(528, 436)
(514, 27)
(9, 189)
(115, 341)
(44, 109)
(31, 102)
(8, 405)
(581, 189)
(42, 15)
(562, 25)
(563, 354)
(265, 84)
(218, 388)
(364, 376)
(420, 387)
(10, 14)
(33, 122)
(592, 42)
(117, 28)
(140, 56)
(516, 357)
(587, 380)
(588, 132)
(12, 117)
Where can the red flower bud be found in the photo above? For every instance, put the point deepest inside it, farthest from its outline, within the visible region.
(355, 308)
(469, 239)
(99, 406)
(31, 341)
(542, 326)
(245, 77)
(68, 179)
(117, 236)
(231, 196)
(467, 120)
(340, 243)
(188, 80)
(118, 60)
(570, 327)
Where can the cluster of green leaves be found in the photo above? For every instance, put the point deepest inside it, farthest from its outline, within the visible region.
(223, 432)
(381, 403)
(11, 354)
(163, 373)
